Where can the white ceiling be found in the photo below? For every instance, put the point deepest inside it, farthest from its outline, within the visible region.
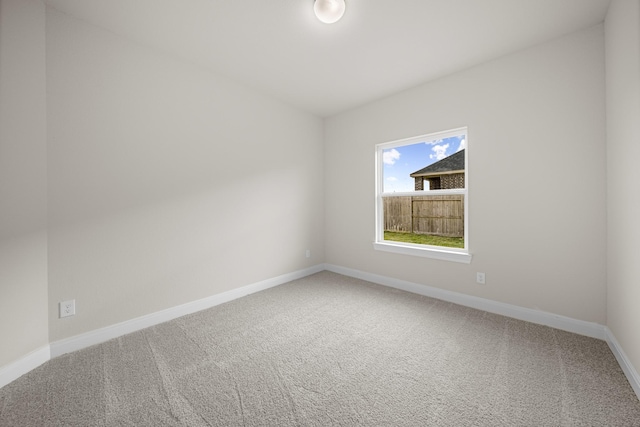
(380, 47)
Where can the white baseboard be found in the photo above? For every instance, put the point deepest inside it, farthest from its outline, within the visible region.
(581, 327)
(623, 361)
(15, 370)
(11, 372)
(113, 331)
(564, 323)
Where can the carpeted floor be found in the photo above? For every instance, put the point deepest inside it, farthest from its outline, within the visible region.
(330, 350)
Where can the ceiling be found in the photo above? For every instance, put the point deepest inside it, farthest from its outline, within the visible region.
(380, 47)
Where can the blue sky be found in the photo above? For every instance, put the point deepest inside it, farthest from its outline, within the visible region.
(400, 162)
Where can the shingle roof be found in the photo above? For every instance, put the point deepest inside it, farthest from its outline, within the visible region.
(454, 162)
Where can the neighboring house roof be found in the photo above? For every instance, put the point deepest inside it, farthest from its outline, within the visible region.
(454, 162)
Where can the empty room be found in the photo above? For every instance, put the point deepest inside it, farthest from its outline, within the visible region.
(319, 212)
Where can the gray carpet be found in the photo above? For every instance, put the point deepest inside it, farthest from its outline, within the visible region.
(330, 350)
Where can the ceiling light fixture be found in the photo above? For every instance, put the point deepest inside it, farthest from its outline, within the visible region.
(329, 11)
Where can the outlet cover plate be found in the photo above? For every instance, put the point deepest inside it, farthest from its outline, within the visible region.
(67, 308)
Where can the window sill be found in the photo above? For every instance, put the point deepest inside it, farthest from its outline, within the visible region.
(427, 252)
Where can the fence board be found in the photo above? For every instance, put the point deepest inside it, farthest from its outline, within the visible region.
(441, 215)
(397, 214)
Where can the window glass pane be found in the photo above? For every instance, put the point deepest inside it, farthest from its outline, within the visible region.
(426, 220)
(399, 163)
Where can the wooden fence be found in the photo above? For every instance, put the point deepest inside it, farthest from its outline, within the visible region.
(439, 215)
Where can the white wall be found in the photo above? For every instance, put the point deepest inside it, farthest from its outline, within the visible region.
(167, 183)
(623, 174)
(23, 238)
(536, 124)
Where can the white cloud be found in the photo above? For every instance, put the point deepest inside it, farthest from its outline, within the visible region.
(439, 152)
(389, 157)
(434, 142)
(462, 146)
(392, 178)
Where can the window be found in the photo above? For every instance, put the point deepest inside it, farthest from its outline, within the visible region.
(421, 196)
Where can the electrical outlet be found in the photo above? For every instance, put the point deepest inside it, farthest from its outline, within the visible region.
(308, 253)
(480, 278)
(67, 308)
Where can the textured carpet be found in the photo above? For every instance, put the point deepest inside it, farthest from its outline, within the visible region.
(330, 350)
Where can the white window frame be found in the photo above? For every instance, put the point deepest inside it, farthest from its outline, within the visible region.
(461, 255)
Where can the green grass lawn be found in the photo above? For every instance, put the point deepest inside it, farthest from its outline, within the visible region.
(425, 239)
